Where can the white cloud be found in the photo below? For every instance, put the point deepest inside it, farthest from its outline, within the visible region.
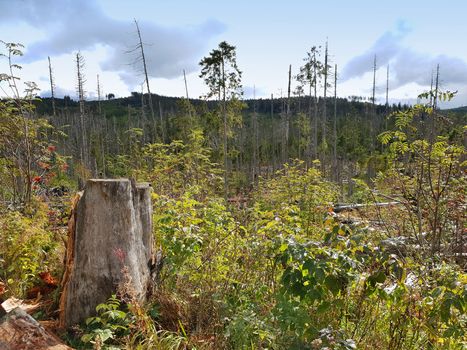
(83, 25)
(406, 65)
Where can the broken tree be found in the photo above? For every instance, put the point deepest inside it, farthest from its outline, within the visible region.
(109, 243)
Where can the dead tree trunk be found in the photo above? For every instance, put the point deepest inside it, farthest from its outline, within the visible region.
(99, 109)
(315, 110)
(80, 89)
(273, 137)
(334, 131)
(287, 117)
(255, 172)
(373, 124)
(52, 87)
(145, 69)
(324, 144)
(387, 88)
(109, 244)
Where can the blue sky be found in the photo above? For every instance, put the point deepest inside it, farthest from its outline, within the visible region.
(410, 36)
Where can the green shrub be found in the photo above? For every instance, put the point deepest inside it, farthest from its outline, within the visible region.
(27, 247)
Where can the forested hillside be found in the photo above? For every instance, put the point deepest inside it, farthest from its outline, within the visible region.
(349, 150)
(296, 222)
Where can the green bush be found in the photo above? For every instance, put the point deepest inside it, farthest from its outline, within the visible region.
(27, 247)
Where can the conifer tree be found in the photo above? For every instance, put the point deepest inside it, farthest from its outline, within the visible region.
(223, 78)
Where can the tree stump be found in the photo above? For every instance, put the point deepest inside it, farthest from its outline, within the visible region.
(109, 244)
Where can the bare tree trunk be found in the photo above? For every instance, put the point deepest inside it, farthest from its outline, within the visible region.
(373, 108)
(143, 115)
(310, 118)
(431, 89)
(387, 87)
(334, 130)
(273, 136)
(188, 100)
(163, 133)
(99, 96)
(435, 97)
(143, 57)
(299, 121)
(374, 82)
(325, 121)
(255, 140)
(432, 124)
(116, 134)
(80, 89)
(287, 119)
(52, 87)
(103, 175)
(186, 86)
(282, 130)
(387, 102)
(224, 114)
(315, 114)
(109, 245)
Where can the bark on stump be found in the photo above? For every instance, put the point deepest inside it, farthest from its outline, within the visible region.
(110, 231)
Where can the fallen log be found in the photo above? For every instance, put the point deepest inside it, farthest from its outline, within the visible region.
(343, 207)
(19, 331)
(13, 303)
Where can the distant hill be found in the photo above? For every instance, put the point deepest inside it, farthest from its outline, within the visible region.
(458, 109)
(169, 105)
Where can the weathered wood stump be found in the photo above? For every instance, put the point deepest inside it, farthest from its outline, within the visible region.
(110, 242)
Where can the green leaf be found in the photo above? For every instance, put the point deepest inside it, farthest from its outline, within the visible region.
(87, 338)
(457, 303)
(437, 292)
(319, 274)
(377, 277)
(309, 265)
(323, 307)
(283, 247)
(333, 283)
(115, 314)
(445, 310)
(93, 320)
(385, 137)
(104, 334)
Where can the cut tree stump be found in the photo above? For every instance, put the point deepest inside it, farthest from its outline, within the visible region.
(109, 244)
